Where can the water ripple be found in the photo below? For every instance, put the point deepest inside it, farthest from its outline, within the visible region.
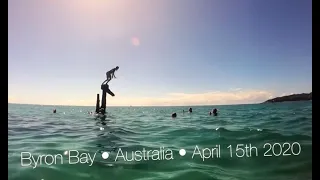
(37, 130)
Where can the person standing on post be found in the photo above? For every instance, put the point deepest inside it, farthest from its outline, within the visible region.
(110, 74)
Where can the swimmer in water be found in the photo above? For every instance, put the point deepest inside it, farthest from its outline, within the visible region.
(214, 112)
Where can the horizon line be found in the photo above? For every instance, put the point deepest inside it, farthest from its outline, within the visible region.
(249, 103)
(138, 105)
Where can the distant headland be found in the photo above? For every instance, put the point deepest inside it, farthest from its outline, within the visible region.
(293, 97)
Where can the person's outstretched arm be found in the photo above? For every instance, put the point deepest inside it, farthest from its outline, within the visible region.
(113, 76)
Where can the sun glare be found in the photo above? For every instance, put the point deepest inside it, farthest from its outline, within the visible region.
(92, 5)
(135, 41)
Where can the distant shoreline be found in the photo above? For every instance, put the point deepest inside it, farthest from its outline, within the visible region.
(293, 97)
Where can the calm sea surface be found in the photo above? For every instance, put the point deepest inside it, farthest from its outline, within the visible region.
(258, 142)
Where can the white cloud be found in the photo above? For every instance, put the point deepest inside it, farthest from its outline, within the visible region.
(235, 89)
(283, 94)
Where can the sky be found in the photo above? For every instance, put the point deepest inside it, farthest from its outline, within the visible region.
(181, 52)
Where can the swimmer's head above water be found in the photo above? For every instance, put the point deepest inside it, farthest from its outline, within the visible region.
(214, 112)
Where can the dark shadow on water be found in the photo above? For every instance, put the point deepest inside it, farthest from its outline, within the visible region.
(106, 140)
(100, 117)
(102, 122)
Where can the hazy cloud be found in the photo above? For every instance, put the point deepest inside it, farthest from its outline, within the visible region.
(172, 99)
(235, 89)
(209, 98)
(11, 99)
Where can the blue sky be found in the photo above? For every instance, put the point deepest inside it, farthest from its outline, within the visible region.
(186, 52)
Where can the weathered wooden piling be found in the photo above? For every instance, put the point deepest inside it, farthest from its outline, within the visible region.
(97, 104)
(103, 100)
(105, 89)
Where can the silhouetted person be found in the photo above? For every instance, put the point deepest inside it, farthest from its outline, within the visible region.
(215, 112)
(110, 74)
(174, 115)
(54, 111)
(190, 110)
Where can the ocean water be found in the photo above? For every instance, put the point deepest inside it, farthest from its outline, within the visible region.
(278, 138)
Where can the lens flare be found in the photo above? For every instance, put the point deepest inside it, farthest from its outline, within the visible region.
(135, 41)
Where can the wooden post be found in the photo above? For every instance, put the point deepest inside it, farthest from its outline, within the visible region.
(97, 104)
(103, 101)
(105, 90)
